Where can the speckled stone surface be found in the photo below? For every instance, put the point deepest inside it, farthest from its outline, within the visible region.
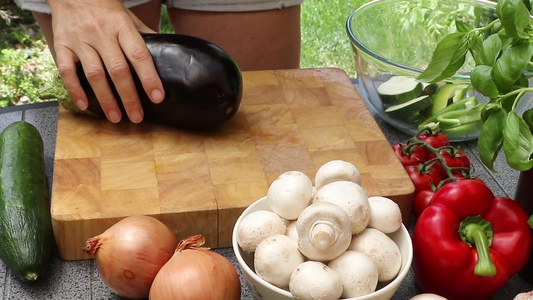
(81, 280)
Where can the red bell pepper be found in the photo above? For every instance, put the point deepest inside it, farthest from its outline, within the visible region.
(467, 243)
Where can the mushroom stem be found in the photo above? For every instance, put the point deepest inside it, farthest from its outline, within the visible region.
(322, 235)
(323, 231)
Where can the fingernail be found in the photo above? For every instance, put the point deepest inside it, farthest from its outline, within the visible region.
(157, 96)
(136, 116)
(81, 104)
(113, 116)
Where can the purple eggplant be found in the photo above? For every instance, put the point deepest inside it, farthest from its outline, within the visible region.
(203, 84)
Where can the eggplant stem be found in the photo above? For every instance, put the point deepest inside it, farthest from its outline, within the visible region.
(56, 91)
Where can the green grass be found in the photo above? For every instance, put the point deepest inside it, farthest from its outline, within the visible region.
(26, 64)
(324, 39)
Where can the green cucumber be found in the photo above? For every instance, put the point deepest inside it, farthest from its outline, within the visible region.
(25, 221)
(399, 89)
(446, 94)
(409, 110)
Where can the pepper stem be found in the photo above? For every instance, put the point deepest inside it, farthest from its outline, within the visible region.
(477, 232)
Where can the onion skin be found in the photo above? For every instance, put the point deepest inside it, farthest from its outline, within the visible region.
(195, 273)
(130, 254)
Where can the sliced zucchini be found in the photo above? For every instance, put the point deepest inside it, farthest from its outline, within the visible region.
(399, 89)
(429, 88)
(411, 109)
(445, 94)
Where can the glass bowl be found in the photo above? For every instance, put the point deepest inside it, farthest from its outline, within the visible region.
(392, 38)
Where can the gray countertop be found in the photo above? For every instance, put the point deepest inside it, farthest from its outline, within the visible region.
(81, 280)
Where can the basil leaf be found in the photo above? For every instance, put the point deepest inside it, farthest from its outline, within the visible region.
(463, 26)
(490, 139)
(517, 143)
(514, 17)
(527, 3)
(522, 82)
(476, 49)
(496, 27)
(485, 52)
(511, 65)
(448, 57)
(528, 117)
(492, 47)
(481, 79)
(489, 108)
(507, 102)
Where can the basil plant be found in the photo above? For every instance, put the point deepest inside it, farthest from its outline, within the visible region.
(502, 51)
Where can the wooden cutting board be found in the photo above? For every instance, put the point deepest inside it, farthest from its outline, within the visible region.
(200, 182)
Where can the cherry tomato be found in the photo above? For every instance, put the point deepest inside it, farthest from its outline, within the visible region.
(453, 158)
(424, 177)
(409, 156)
(434, 139)
(459, 177)
(422, 201)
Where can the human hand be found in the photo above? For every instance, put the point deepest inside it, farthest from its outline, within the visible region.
(102, 35)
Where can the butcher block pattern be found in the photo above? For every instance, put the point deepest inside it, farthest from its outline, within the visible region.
(199, 182)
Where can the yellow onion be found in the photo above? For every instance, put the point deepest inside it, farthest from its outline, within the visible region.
(196, 273)
(130, 254)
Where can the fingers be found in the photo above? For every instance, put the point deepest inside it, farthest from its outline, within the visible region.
(67, 71)
(142, 62)
(141, 59)
(96, 75)
(119, 72)
(106, 50)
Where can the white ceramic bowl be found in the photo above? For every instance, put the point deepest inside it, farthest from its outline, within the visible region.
(264, 290)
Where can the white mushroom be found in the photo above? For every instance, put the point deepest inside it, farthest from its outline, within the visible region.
(385, 214)
(291, 230)
(337, 170)
(257, 226)
(523, 296)
(382, 249)
(289, 194)
(430, 296)
(275, 258)
(351, 197)
(358, 272)
(323, 231)
(314, 280)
